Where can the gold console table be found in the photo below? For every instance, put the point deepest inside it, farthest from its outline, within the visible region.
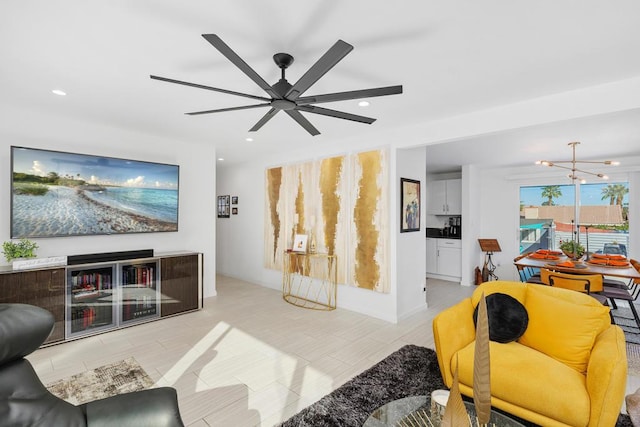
(309, 280)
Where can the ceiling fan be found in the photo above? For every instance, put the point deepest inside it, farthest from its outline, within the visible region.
(286, 97)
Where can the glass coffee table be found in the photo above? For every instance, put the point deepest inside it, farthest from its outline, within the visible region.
(395, 412)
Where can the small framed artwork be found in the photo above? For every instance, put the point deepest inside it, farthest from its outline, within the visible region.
(234, 200)
(223, 207)
(234, 211)
(300, 243)
(409, 205)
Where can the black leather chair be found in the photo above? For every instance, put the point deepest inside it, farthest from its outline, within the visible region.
(24, 400)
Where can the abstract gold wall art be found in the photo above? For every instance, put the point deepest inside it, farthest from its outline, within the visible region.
(369, 243)
(332, 199)
(318, 198)
(273, 230)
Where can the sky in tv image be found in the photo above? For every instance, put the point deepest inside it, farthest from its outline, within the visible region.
(64, 194)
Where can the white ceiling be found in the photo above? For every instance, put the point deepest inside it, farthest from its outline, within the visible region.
(614, 136)
(452, 57)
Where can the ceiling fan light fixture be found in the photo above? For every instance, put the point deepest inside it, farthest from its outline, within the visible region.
(283, 96)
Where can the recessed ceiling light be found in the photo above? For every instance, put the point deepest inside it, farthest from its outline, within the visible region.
(363, 104)
(249, 139)
(59, 92)
(220, 159)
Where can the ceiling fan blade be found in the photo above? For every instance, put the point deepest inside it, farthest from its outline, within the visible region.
(334, 113)
(264, 119)
(354, 94)
(239, 62)
(220, 110)
(338, 51)
(215, 89)
(302, 121)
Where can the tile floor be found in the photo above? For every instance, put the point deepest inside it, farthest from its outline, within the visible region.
(249, 358)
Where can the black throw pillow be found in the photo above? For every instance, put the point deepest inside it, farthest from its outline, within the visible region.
(508, 319)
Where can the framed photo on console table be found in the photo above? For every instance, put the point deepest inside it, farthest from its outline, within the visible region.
(409, 205)
(300, 243)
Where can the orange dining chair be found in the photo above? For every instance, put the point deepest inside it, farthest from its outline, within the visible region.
(631, 285)
(629, 294)
(590, 284)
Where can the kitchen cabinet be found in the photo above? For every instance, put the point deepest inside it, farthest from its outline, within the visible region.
(444, 258)
(445, 197)
(432, 255)
(449, 257)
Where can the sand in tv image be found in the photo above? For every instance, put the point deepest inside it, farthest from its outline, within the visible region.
(66, 194)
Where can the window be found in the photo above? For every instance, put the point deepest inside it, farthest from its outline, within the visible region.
(547, 215)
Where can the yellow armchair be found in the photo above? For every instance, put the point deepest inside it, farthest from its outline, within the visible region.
(568, 369)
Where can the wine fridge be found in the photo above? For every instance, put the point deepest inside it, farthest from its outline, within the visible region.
(105, 296)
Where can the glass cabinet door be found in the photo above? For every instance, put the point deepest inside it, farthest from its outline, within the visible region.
(90, 300)
(139, 292)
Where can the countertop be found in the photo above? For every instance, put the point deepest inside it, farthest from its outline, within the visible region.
(439, 233)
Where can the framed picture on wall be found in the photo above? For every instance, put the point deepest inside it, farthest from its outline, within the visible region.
(234, 200)
(223, 207)
(409, 205)
(234, 211)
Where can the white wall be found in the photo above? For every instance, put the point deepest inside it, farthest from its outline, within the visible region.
(197, 183)
(634, 212)
(240, 239)
(411, 248)
(473, 191)
(240, 250)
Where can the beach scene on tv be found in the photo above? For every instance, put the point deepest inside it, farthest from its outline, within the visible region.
(66, 194)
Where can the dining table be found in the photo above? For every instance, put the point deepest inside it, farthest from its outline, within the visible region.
(580, 267)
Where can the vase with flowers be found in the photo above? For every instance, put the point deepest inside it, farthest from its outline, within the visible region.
(572, 249)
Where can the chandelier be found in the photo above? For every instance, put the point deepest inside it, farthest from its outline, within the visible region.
(571, 165)
(573, 175)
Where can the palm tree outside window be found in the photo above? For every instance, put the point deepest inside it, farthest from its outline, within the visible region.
(551, 192)
(547, 214)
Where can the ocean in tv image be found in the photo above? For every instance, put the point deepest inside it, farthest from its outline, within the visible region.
(66, 194)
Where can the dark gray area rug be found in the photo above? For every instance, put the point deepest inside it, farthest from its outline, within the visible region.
(412, 370)
(624, 318)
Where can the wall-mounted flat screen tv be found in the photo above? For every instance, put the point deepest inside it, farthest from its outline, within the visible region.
(57, 194)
